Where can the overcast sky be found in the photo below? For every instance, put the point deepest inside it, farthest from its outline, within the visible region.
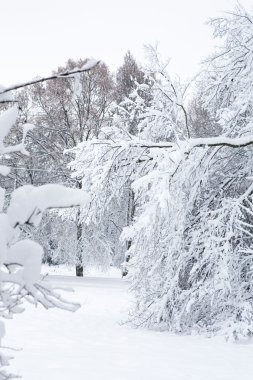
(39, 35)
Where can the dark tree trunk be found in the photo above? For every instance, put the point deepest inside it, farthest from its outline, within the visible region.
(79, 265)
(130, 212)
(79, 270)
(130, 216)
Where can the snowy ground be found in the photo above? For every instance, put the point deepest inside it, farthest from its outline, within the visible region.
(91, 344)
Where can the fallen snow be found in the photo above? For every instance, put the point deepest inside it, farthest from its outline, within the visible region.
(92, 344)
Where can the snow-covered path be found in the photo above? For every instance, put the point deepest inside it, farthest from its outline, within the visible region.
(91, 344)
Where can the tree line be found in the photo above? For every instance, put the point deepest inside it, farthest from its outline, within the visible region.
(169, 179)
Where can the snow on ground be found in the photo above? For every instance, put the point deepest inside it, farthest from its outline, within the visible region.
(91, 344)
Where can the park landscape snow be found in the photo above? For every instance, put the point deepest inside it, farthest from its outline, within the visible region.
(124, 173)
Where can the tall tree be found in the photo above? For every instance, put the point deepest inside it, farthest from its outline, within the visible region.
(68, 111)
(127, 76)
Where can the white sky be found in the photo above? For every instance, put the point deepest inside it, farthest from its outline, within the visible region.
(39, 35)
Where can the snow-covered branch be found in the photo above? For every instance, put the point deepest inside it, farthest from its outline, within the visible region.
(4, 92)
(185, 145)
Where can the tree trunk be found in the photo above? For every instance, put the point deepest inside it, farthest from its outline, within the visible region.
(130, 212)
(79, 265)
(130, 216)
(79, 270)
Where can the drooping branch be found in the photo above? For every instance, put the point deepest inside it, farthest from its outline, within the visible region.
(238, 142)
(67, 74)
(210, 142)
(187, 145)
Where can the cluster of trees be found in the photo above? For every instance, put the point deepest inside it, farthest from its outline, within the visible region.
(167, 184)
(37, 125)
(183, 173)
(69, 111)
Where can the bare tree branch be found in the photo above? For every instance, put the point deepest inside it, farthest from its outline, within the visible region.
(189, 144)
(67, 74)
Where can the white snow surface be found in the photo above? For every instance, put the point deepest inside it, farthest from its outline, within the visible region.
(92, 344)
